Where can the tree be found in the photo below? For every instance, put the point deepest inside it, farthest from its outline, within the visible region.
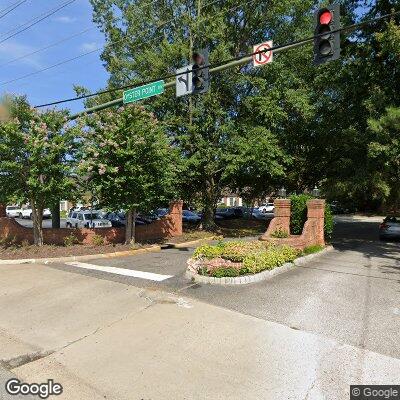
(127, 161)
(384, 151)
(36, 157)
(150, 40)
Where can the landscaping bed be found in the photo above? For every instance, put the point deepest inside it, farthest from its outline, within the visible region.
(235, 259)
(53, 251)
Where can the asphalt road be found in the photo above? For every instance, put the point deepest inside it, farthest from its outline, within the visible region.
(308, 333)
(350, 294)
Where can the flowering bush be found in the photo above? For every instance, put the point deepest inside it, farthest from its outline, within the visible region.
(239, 258)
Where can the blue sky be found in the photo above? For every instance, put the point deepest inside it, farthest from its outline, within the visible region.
(56, 83)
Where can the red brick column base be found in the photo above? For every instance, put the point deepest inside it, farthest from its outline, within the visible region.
(313, 230)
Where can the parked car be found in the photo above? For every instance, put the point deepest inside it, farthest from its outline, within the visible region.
(118, 219)
(262, 216)
(27, 213)
(13, 211)
(390, 228)
(86, 219)
(229, 213)
(161, 212)
(267, 208)
(190, 217)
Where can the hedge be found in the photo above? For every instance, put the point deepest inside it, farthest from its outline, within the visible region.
(299, 215)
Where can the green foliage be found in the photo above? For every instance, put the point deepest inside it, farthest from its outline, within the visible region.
(36, 157)
(270, 259)
(127, 161)
(209, 251)
(97, 240)
(255, 257)
(70, 240)
(280, 234)
(316, 248)
(298, 215)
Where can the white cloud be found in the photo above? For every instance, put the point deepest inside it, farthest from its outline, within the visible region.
(10, 50)
(65, 19)
(89, 46)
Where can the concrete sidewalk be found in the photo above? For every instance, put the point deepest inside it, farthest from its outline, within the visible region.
(103, 339)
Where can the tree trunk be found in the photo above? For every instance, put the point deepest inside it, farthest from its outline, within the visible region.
(209, 206)
(37, 217)
(130, 231)
(55, 216)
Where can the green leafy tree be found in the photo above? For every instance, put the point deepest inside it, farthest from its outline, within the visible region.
(384, 151)
(36, 158)
(148, 40)
(127, 161)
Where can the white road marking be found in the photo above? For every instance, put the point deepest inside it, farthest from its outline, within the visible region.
(121, 271)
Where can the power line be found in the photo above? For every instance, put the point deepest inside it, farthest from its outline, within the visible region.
(13, 7)
(46, 15)
(65, 61)
(236, 61)
(65, 39)
(60, 41)
(8, 7)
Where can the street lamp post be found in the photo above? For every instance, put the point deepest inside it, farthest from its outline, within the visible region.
(282, 192)
(315, 191)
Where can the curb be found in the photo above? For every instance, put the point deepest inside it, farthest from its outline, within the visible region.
(261, 276)
(186, 244)
(88, 257)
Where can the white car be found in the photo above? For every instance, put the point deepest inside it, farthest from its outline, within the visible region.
(27, 213)
(267, 208)
(13, 211)
(87, 219)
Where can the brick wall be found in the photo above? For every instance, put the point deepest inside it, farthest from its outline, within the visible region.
(167, 227)
(313, 230)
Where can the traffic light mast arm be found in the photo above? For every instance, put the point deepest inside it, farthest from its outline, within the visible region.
(230, 64)
(218, 68)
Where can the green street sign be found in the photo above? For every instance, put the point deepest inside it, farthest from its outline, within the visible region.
(143, 92)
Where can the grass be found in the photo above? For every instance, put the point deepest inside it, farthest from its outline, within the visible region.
(316, 248)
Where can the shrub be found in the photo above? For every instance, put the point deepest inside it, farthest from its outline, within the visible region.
(237, 251)
(274, 257)
(209, 251)
(280, 233)
(222, 272)
(299, 215)
(8, 241)
(97, 240)
(70, 240)
(25, 243)
(312, 249)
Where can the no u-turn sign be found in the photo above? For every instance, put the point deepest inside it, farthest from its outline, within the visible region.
(266, 56)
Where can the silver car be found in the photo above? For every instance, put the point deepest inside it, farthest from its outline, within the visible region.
(86, 219)
(390, 228)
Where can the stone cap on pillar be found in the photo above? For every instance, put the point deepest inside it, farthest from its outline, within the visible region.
(315, 208)
(282, 207)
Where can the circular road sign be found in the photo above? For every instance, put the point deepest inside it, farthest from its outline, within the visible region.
(262, 58)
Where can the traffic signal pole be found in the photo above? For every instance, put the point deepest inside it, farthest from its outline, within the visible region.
(223, 66)
(170, 84)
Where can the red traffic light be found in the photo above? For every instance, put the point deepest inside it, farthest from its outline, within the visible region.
(326, 17)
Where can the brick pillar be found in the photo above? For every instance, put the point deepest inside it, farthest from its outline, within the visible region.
(281, 220)
(175, 210)
(3, 210)
(316, 215)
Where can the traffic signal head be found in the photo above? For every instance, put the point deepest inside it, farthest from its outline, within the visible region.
(327, 44)
(200, 72)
